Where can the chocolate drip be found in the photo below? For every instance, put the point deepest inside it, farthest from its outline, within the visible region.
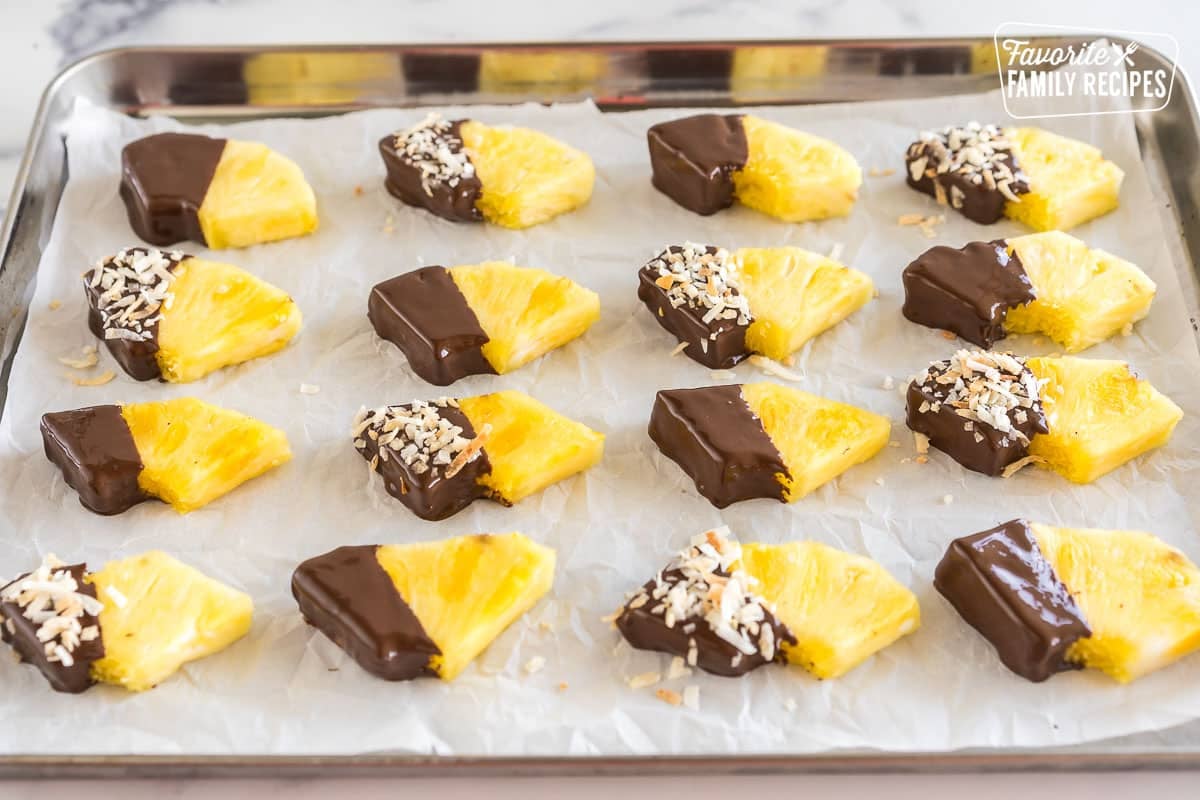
(1001, 584)
(693, 159)
(456, 203)
(686, 323)
(164, 179)
(647, 631)
(430, 495)
(95, 450)
(23, 637)
(967, 291)
(712, 434)
(348, 596)
(428, 318)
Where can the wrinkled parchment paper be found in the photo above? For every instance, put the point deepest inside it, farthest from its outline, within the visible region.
(285, 689)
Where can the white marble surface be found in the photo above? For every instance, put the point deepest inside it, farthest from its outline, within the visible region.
(39, 37)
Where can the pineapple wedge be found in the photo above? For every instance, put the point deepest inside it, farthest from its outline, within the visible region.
(793, 175)
(465, 591)
(160, 614)
(524, 312)
(794, 295)
(220, 315)
(527, 177)
(841, 607)
(193, 452)
(819, 439)
(1070, 181)
(1100, 416)
(530, 446)
(256, 195)
(1141, 597)
(1084, 296)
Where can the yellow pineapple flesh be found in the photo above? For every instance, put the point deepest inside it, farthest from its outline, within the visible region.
(193, 452)
(1084, 296)
(220, 315)
(794, 295)
(524, 312)
(1100, 416)
(842, 608)
(795, 176)
(1070, 181)
(530, 445)
(1139, 596)
(527, 177)
(465, 591)
(819, 439)
(159, 614)
(256, 196)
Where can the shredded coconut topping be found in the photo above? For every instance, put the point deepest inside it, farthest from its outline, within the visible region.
(134, 289)
(420, 436)
(50, 598)
(980, 153)
(704, 278)
(984, 387)
(699, 585)
(436, 150)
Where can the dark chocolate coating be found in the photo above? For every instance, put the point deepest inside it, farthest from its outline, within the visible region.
(164, 179)
(428, 318)
(23, 638)
(429, 495)
(687, 324)
(97, 455)
(455, 203)
(647, 631)
(979, 203)
(348, 596)
(967, 290)
(693, 159)
(947, 432)
(712, 434)
(1001, 584)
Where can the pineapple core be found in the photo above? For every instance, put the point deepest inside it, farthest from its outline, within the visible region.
(1070, 181)
(465, 591)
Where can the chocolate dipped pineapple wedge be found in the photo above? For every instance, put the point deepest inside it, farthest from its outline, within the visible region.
(426, 609)
(729, 609)
(489, 318)
(707, 161)
(184, 452)
(175, 317)
(438, 457)
(1052, 599)
(465, 171)
(743, 441)
(133, 623)
(217, 192)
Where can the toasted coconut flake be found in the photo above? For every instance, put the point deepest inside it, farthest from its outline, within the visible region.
(434, 148)
(880, 172)
(679, 348)
(704, 279)
(1020, 464)
(309, 388)
(55, 305)
(644, 679)
(535, 665)
(669, 697)
(98, 380)
(772, 367)
(722, 374)
(921, 442)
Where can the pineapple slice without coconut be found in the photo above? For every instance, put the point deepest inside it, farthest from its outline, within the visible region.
(841, 607)
(160, 614)
(465, 591)
(794, 175)
(1070, 181)
(1140, 597)
(794, 295)
(527, 177)
(530, 446)
(524, 312)
(193, 452)
(1083, 296)
(1100, 416)
(819, 439)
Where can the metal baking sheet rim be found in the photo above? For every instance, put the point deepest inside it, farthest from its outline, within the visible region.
(17, 766)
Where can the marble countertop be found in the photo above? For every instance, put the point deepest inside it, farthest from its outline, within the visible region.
(38, 38)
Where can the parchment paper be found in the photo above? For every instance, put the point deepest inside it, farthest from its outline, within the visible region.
(285, 689)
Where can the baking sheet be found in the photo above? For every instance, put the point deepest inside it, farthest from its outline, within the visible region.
(286, 690)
